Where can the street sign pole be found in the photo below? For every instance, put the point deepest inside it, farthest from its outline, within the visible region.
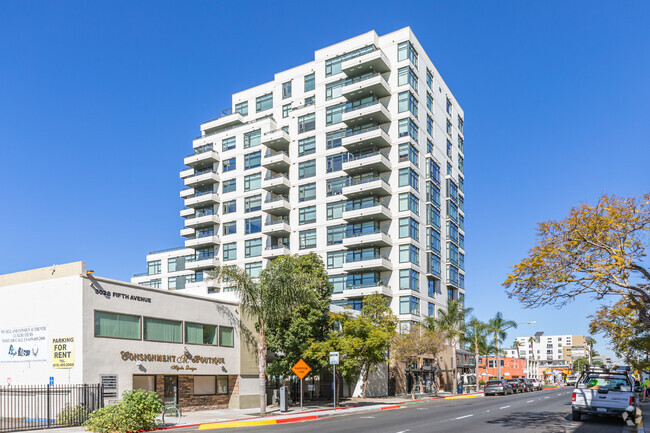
(334, 386)
(301, 395)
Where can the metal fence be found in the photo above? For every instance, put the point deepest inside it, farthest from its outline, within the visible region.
(34, 407)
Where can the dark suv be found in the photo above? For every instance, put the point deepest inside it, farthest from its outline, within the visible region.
(516, 385)
(526, 384)
(493, 387)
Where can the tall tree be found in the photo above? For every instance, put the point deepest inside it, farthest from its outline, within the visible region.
(412, 347)
(516, 345)
(590, 348)
(451, 323)
(531, 340)
(596, 250)
(280, 290)
(476, 336)
(497, 326)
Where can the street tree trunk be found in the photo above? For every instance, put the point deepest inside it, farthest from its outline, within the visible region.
(454, 373)
(496, 357)
(261, 363)
(365, 381)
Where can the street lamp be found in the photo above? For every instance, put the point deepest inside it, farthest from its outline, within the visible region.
(497, 345)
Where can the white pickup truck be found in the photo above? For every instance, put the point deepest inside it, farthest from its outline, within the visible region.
(604, 392)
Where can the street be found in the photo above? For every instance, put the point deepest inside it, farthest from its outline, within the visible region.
(546, 411)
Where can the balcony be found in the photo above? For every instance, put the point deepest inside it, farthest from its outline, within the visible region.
(364, 187)
(202, 156)
(375, 238)
(202, 178)
(376, 263)
(222, 122)
(363, 290)
(276, 140)
(279, 228)
(274, 251)
(202, 199)
(188, 233)
(372, 136)
(187, 212)
(187, 173)
(364, 86)
(204, 241)
(278, 184)
(276, 206)
(362, 163)
(371, 112)
(276, 161)
(187, 192)
(204, 220)
(377, 211)
(374, 61)
(202, 263)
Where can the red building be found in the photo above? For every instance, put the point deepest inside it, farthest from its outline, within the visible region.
(511, 368)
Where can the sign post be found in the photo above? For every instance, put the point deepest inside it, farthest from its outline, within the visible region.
(334, 359)
(301, 369)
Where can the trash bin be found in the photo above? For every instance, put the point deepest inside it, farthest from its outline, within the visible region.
(284, 399)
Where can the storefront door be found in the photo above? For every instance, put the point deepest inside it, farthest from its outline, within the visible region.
(171, 390)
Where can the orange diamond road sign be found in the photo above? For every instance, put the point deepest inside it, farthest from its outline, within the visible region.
(301, 369)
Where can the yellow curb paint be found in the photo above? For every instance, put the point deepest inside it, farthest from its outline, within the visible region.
(237, 424)
(461, 396)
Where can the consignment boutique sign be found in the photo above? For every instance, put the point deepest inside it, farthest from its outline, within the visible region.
(175, 360)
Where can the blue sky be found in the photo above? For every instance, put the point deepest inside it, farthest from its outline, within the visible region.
(99, 103)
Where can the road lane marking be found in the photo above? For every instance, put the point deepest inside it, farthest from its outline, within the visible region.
(366, 417)
(530, 401)
(466, 416)
(504, 407)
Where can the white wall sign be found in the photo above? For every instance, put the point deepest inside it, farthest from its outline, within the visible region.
(23, 344)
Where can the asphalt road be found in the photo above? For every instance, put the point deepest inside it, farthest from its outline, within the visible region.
(546, 411)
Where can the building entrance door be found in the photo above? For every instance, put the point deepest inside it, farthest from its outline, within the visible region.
(171, 390)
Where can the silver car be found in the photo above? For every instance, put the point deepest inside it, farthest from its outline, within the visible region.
(493, 387)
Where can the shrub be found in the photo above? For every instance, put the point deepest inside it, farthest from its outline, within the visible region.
(137, 411)
(72, 415)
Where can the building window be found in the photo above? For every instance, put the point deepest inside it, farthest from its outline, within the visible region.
(430, 79)
(229, 207)
(408, 152)
(408, 227)
(169, 331)
(334, 115)
(307, 146)
(204, 253)
(335, 235)
(406, 51)
(252, 139)
(448, 107)
(253, 203)
(431, 285)
(252, 160)
(253, 269)
(335, 186)
(405, 76)
(430, 126)
(433, 240)
(153, 267)
(409, 279)
(335, 162)
(253, 182)
(334, 139)
(310, 82)
(307, 215)
(286, 110)
(117, 325)
(334, 90)
(253, 247)
(407, 102)
(230, 228)
(228, 144)
(408, 201)
(335, 210)
(264, 102)
(226, 336)
(242, 108)
(307, 192)
(307, 169)
(333, 66)
(286, 90)
(196, 333)
(409, 253)
(229, 185)
(253, 225)
(461, 146)
(409, 305)
(205, 385)
(155, 283)
(408, 176)
(229, 165)
(307, 239)
(230, 251)
(461, 164)
(448, 127)
(460, 123)
(430, 103)
(407, 127)
(335, 259)
(307, 123)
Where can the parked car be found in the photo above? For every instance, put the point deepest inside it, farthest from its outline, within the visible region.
(537, 384)
(516, 386)
(527, 386)
(601, 391)
(571, 379)
(494, 387)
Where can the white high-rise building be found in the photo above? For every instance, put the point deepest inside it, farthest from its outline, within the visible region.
(551, 349)
(356, 156)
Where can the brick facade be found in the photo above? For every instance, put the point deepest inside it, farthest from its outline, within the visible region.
(190, 402)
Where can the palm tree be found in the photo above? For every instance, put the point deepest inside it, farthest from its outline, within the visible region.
(476, 334)
(498, 326)
(451, 324)
(531, 340)
(590, 350)
(516, 344)
(281, 288)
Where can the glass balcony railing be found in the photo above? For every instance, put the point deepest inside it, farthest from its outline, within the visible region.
(349, 107)
(363, 77)
(354, 234)
(352, 132)
(358, 156)
(353, 258)
(363, 285)
(364, 204)
(202, 149)
(200, 193)
(361, 181)
(276, 247)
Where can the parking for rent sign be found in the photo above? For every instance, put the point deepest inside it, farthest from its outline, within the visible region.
(63, 352)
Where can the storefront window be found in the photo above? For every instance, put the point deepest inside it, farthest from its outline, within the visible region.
(204, 385)
(148, 383)
(117, 325)
(195, 333)
(162, 330)
(222, 384)
(226, 338)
